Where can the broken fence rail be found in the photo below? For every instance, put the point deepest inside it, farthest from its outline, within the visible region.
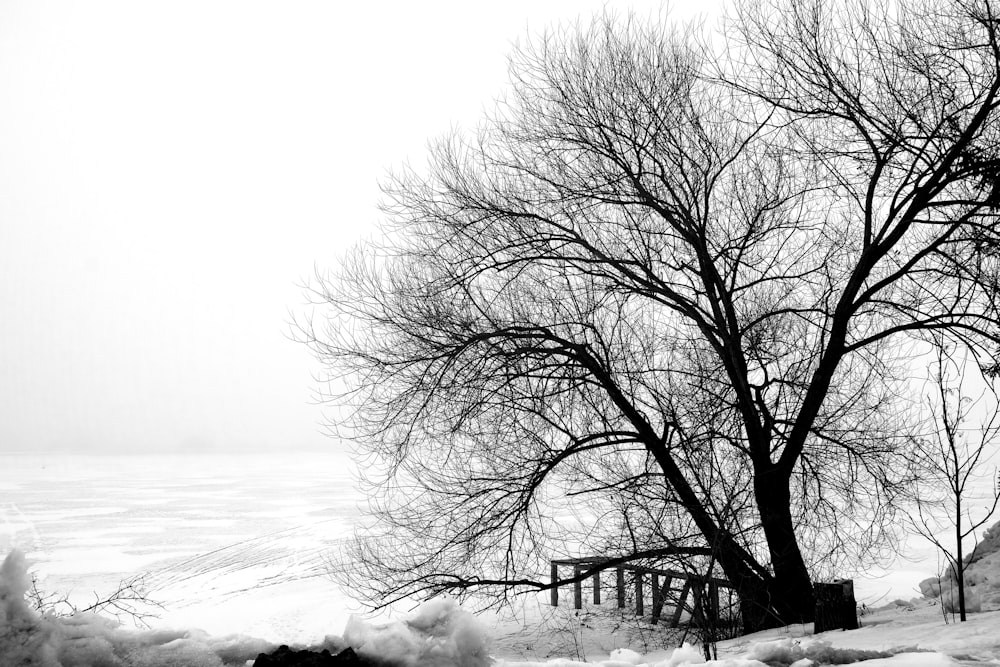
(693, 583)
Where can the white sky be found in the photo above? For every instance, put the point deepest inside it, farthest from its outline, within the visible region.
(170, 173)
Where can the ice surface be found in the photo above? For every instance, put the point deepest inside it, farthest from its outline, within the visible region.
(234, 544)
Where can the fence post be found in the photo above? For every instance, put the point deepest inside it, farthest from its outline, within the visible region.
(658, 600)
(597, 587)
(713, 602)
(638, 592)
(554, 595)
(577, 588)
(698, 606)
(675, 621)
(620, 577)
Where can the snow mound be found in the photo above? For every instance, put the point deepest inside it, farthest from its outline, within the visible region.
(441, 634)
(87, 640)
(785, 652)
(778, 653)
(982, 578)
(680, 657)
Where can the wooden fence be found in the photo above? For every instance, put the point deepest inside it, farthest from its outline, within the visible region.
(705, 590)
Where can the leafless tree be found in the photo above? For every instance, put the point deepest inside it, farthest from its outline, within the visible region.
(966, 433)
(668, 279)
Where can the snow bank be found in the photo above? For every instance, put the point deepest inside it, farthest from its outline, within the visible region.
(982, 578)
(788, 652)
(87, 640)
(775, 657)
(441, 634)
(681, 657)
(780, 653)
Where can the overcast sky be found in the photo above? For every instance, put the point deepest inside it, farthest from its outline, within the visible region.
(170, 173)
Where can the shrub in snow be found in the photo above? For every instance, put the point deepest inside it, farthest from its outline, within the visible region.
(25, 637)
(28, 638)
(440, 635)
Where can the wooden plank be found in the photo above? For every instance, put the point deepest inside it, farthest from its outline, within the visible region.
(675, 621)
(638, 592)
(659, 593)
(713, 601)
(723, 583)
(698, 604)
(582, 561)
(599, 560)
(659, 598)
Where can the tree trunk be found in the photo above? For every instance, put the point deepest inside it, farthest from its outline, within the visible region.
(766, 601)
(959, 564)
(752, 587)
(790, 590)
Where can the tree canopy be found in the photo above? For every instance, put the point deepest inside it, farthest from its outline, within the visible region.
(660, 304)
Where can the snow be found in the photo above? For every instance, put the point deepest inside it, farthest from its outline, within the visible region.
(227, 544)
(914, 633)
(443, 634)
(982, 577)
(88, 640)
(239, 552)
(440, 633)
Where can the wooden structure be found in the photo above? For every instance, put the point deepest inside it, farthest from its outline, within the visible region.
(704, 590)
(836, 608)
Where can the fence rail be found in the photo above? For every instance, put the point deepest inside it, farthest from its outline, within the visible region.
(704, 589)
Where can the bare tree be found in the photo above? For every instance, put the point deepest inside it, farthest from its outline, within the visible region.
(966, 433)
(129, 600)
(665, 281)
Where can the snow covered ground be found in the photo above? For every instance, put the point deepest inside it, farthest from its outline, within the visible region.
(441, 634)
(237, 549)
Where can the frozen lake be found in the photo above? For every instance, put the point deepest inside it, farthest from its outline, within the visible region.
(231, 543)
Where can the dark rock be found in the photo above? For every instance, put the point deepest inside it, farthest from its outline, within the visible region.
(286, 657)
